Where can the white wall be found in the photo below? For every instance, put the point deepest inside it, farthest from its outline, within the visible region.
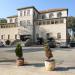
(13, 20)
(64, 14)
(25, 18)
(9, 31)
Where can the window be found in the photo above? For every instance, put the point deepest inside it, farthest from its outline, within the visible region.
(23, 23)
(59, 14)
(61, 21)
(8, 36)
(58, 36)
(50, 15)
(21, 13)
(52, 21)
(28, 12)
(48, 22)
(43, 16)
(11, 20)
(57, 21)
(24, 13)
(15, 36)
(40, 23)
(47, 35)
(44, 22)
(15, 20)
(2, 36)
(20, 23)
(28, 22)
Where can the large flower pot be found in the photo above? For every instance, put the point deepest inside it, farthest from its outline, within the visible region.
(20, 62)
(49, 65)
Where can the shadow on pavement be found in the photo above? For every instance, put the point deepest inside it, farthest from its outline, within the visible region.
(7, 60)
(35, 64)
(64, 68)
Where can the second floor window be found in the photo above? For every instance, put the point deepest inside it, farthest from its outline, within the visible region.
(23, 23)
(8, 36)
(59, 14)
(50, 15)
(28, 12)
(11, 20)
(16, 20)
(2, 36)
(20, 13)
(43, 16)
(61, 21)
(52, 21)
(15, 36)
(58, 36)
(24, 13)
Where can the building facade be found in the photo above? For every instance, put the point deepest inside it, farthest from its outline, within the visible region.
(32, 23)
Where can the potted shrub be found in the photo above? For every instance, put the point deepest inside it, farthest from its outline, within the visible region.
(19, 54)
(49, 62)
(7, 42)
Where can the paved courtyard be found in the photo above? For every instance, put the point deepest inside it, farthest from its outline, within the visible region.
(64, 57)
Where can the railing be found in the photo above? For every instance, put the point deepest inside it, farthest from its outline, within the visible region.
(8, 25)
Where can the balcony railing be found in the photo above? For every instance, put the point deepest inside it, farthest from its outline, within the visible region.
(8, 25)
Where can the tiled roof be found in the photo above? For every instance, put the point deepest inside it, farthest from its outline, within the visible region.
(52, 10)
(12, 16)
(25, 7)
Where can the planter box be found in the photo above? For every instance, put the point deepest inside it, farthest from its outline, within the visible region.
(50, 65)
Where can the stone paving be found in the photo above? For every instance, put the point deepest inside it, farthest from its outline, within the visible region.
(65, 62)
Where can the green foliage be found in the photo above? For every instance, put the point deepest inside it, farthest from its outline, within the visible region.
(71, 22)
(48, 51)
(7, 42)
(2, 20)
(18, 51)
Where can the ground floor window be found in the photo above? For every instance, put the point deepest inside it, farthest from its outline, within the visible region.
(15, 36)
(58, 36)
(2, 36)
(8, 36)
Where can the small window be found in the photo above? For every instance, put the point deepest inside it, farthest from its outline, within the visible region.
(58, 36)
(16, 20)
(28, 12)
(2, 36)
(57, 21)
(44, 22)
(8, 36)
(40, 23)
(48, 22)
(11, 20)
(47, 35)
(15, 36)
(20, 23)
(52, 21)
(20, 13)
(50, 15)
(61, 21)
(59, 14)
(43, 16)
(24, 13)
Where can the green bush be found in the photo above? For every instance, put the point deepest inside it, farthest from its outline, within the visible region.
(7, 42)
(18, 51)
(48, 51)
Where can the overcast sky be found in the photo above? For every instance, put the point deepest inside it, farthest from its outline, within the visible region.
(8, 7)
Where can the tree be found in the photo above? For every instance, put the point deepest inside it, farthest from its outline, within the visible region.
(18, 51)
(71, 22)
(2, 20)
